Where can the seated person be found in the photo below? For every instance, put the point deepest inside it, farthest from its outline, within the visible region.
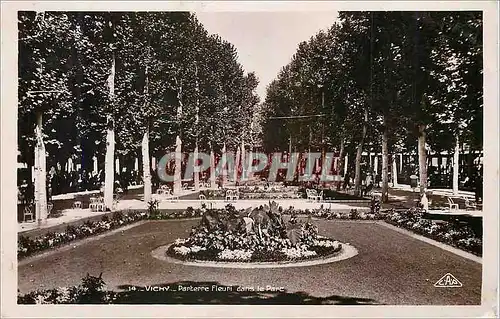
(367, 189)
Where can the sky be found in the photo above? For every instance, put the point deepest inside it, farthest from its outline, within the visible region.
(266, 41)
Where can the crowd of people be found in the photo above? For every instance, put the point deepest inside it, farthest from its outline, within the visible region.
(62, 182)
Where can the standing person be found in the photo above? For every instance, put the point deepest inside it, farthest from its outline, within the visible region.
(84, 180)
(53, 184)
(478, 185)
(125, 181)
(155, 180)
(48, 187)
(23, 189)
(65, 183)
(368, 180)
(346, 181)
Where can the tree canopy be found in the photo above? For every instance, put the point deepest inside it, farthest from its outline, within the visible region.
(163, 61)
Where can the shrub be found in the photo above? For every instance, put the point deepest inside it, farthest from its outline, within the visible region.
(90, 291)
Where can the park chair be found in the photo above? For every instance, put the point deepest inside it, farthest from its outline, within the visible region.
(469, 204)
(50, 206)
(369, 190)
(101, 207)
(452, 204)
(163, 190)
(77, 204)
(229, 195)
(312, 194)
(232, 195)
(93, 204)
(320, 196)
(116, 199)
(316, 196)
(173, 196)
(28, 212)
(204, 201)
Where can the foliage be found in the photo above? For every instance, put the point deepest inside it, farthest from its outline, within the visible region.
(405, 69)
(164, 61)
(224, 235)
(452, 233)
(218, 245)
(153, 208)
(28, 246)
(90, 291)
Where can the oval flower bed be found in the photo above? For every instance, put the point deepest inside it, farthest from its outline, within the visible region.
(259, 235)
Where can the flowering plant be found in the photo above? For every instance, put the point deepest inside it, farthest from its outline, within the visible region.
(224, 235)
(449, 232)
(90, 291)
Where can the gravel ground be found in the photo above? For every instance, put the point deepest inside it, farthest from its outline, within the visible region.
(391, 268)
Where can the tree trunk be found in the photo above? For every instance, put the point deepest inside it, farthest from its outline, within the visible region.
(40, 174)
(422, 159)
(153, 163)
(249, 174)
(146, 170)
(346, 164)
(309, 152)
(385, 165)
(394, 171)
(196, 177)
(212, 168)
(224, 164)
(357, 178)
(400, 162)
(243, 154)
(178, 166)
(96, 165)
(110, 143)
(456, 165)
(341, 163)
(236, 164)
(69, 165)
(117, 165)
(109, 165)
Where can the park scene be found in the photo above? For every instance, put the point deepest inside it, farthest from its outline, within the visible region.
(151, 170)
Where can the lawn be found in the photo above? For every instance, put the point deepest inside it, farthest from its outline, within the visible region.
(391, 268)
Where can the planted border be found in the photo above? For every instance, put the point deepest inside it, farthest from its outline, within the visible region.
(452, 233)
(27, 246)
(448, 232)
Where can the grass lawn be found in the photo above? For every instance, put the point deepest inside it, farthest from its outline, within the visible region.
(391, 268)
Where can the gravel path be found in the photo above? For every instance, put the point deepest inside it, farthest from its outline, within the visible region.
(391, 268)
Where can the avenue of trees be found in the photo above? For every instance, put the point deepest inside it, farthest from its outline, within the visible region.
(388, 82)
(128, 85)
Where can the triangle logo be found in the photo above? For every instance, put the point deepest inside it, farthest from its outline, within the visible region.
(448, 281)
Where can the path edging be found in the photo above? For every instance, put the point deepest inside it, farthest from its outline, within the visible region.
(347, 251)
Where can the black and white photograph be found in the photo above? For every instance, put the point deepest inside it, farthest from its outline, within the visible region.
(193, 155)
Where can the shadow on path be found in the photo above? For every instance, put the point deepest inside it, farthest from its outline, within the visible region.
(215, 293)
